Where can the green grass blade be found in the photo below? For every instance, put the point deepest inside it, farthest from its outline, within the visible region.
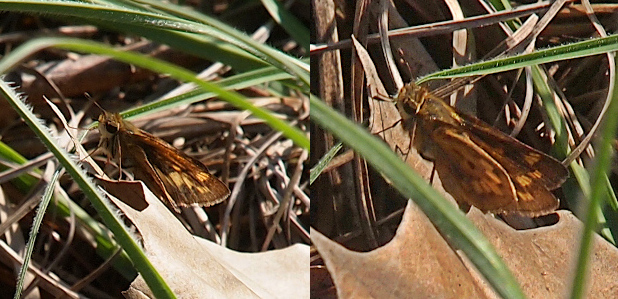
(288, 22)
(602, 164)
(569, 51)
(319, 167)
(34, 230)
(156, 25)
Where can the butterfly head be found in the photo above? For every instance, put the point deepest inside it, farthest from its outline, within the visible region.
(109, 124)
(409, 100)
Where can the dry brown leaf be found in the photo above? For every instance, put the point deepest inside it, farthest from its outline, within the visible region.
(542, 259)
(197, 268)
(419, 263)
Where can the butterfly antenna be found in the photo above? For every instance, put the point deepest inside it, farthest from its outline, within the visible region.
(93, 101)
(99, 106)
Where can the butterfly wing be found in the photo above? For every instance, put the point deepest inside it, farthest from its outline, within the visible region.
(469, 172)
(185, 180)
(545, 169)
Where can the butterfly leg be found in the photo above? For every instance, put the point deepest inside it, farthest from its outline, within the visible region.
(119, 159)
(433, 172)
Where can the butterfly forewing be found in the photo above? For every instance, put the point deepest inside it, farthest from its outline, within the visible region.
(184, 177)
(485, 176)
(469, 174)
(551, 173)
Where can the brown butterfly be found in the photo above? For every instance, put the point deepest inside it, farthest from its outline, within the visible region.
(478, 164)
(177, 179)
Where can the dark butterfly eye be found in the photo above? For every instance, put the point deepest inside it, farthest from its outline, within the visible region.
(409, 107)
(111, 128)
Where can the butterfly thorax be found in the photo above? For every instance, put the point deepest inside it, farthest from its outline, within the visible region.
(421, 109)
